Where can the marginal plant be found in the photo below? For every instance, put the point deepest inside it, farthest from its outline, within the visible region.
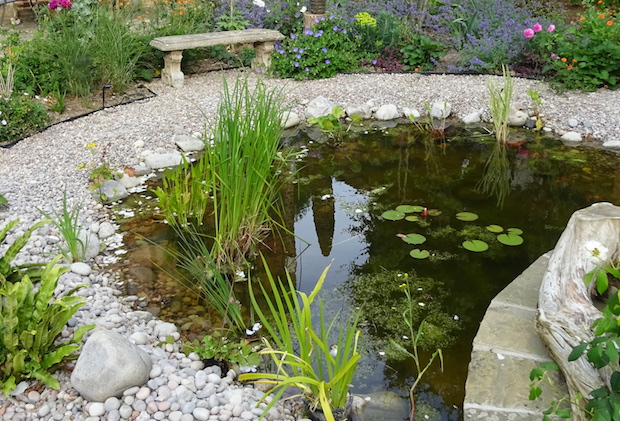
(499, 103)
(244, 163)
(219, 348)
(332, 124)
(415, 335)
(30, 323)
(68, 224)
(301, 351)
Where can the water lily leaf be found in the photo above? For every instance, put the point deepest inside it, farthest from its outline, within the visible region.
(495, 228)
(393, 215)
(510, 239)
(412, 218)
(414, 239)
(419, 254)
(475, 245)
(434, 212)
(515, 231)
(417, 208)
(466, 216)
(405, 208)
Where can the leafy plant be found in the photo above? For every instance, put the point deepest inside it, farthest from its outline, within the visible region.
(20, 116)
(422, 52)
(30, 323)
(231, 21)
(380, 33)
(14, 273)
(7, 83)
(325, 50)
(332, 124)
(68, 224)
(220, 348)
(3, 201)
(301, 352)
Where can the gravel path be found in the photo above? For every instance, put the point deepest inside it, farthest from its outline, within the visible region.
(36, 171)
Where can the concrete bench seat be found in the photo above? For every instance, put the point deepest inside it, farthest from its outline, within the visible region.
(262, 40)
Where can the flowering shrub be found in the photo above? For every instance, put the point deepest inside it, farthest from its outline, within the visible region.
(585, 56)
(20, 116)
(323, 51)
(59, 4)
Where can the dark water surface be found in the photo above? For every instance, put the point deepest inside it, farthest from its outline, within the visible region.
(336, 204)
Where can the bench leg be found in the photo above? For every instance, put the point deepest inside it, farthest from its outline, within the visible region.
(263, 55)
(172, 74)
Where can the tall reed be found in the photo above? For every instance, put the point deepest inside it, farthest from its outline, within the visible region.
(499, 103)
(245, 163)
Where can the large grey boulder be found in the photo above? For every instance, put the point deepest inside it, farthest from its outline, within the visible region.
(108, 365)
(188, 143)
(441, 109)
(387, 112)
(164, 160)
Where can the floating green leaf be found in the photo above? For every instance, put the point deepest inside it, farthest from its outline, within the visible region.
(393, 215)
(414, 238)
(514, 231)
(412, 218)
(434, 212)
(495, 228)
(475, 245)
(466, 216)
(417, 208)
(510, 239)
(406, 208)
(419, 254)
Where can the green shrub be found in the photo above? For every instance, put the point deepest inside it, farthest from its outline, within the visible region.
(420, 52)
(380, 33)
(20, 116)
(323, 51)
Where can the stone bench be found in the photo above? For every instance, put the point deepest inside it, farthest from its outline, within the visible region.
(262, 40)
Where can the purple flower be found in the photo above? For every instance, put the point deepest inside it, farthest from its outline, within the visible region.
(295, 49)
(296, 64)
(528, 33)
(298, 56)
(324, 49)
(318, 34)
(537, 27)
(306, 69)
(344, 31)
(259, 71)
(327, 61)
(281, 51)
(336, 28)
(374, 62)
(301, 51)
(551, 28)
(293, 36)
(308, 32)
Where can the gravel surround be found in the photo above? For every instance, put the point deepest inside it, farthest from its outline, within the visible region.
(35, 172)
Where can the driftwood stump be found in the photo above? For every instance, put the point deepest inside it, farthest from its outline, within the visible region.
(565, 308)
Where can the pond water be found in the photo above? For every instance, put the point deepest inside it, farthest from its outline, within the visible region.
(335, 209)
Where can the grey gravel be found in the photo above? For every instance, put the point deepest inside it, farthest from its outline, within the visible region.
(36, 171)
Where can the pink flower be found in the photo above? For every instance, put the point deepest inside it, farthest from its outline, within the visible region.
(553, 56)
(551, 28)
(53, 4)
(537, 27)
(65, 3)
(528, 33)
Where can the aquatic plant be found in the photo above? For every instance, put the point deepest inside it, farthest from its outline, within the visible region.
(499, 103)
(300, 351)
(245, 165)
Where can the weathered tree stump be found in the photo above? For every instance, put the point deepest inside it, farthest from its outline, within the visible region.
(565, 308)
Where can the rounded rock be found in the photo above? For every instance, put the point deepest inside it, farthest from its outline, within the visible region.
(96, 409)
(201, 414)
(111, 404)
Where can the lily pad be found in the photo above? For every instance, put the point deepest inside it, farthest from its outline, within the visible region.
(412, 218)
(515, 231)
(475, 245)
(417, 208)
(419, 254)
(393, 215)
(495, 228)
(466, 216)
(414, 239)
(406, 208)
(434, 212)
(510, 239)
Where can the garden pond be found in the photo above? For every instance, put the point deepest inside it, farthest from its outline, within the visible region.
(364, 205)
